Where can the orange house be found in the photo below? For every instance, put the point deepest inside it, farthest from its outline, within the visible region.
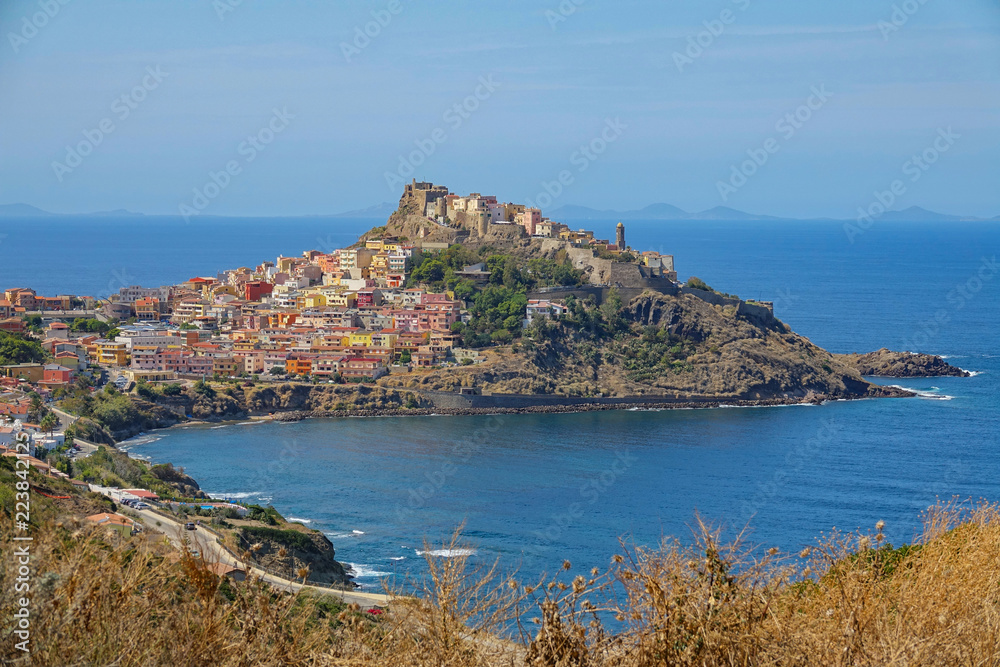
(298, 364)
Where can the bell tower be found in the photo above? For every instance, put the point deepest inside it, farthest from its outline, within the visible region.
(620, 237)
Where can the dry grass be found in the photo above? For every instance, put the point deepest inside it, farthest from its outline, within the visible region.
(852, 600)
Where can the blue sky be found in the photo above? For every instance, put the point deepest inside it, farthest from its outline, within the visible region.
(557, 73)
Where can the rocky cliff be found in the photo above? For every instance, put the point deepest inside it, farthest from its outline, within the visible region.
(667, 345)
(291, 549)
(886, 363)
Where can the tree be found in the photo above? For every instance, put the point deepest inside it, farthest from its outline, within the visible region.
(204, 389)
(49, 423)
(277, 370)
(430, 272)
(697, 283)
(465, 290)
(172, 389)
(405, 357)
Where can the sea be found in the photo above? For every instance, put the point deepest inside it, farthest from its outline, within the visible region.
(534, 490)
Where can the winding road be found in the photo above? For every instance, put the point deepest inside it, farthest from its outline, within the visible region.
(204, 541)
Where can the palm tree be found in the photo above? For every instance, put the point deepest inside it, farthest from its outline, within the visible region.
(49, 423)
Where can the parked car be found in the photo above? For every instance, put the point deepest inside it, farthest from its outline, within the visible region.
(189, 526)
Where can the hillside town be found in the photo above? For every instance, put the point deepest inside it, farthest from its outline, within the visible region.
(349, 314)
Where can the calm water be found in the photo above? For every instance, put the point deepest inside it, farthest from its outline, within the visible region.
(538, 489)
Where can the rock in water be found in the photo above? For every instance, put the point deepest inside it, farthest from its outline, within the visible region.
(886, 363)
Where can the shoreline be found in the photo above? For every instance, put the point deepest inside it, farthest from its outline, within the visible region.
(627, 404)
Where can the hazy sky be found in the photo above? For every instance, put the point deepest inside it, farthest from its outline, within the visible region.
(201, 77)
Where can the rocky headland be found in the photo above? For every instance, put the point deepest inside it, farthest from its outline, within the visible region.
(889, 364)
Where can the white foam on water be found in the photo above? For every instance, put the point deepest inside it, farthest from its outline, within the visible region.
(361, 571)
(218, 427)
(447, 553)
(762, 407)
(397, 557)
(251, 423)
(358, 532)
(237, 494)
(139, 440)
(931, 395)
(973, 373)
(297, 520)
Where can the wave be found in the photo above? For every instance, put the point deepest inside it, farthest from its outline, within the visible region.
(973, 373)
(213, 428)
(297, 520)
(931, 395)
(361, 571)
(237, 494)
(139, 440)
(251, 423)
(397, 557)
(447, 553)
(358, 532)
(760, 407)
(343, 536)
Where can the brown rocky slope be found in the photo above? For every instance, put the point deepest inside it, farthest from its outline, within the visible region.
(886, 363)
(666, 345)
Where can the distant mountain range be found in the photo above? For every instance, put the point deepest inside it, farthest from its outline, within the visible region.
(381, 211)
(569, 212)
(668, 212)
(28, 211)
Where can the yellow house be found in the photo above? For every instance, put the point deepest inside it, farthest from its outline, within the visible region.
(380, 261)
(374, 244)
(313, 300)
(360, 339)
(218, 290)
(111, 353)
(342, 300)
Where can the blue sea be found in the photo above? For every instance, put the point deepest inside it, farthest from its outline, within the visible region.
(537, 489)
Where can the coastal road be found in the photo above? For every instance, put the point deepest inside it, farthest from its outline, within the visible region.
(203, 540)
(64, 417)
